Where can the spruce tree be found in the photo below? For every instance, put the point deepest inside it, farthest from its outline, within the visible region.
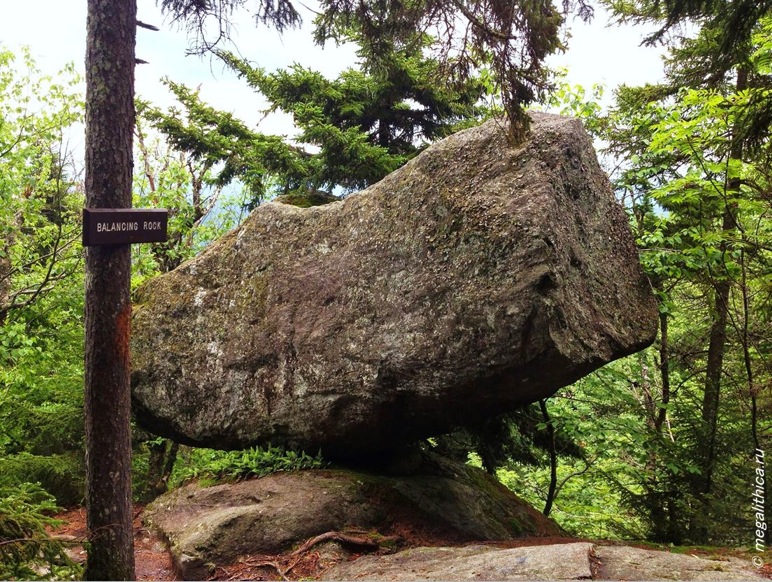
(360, 127)
(516, 37)
(111, 32)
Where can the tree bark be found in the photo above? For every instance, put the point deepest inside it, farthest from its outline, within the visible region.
(551, 493)
(163, 454)
(714, 371)
(5, 283)
(111, 32)
(664, 371)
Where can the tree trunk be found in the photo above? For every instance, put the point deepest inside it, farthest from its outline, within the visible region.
(664, 371)
(708, 435)
(163, 455)
(155, 467)
(717, 343)
(712, 391)
(5, 283)
(111, 31)
(553, 459)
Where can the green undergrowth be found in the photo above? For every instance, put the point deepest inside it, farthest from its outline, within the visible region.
(60, 475)
(206, 464)
(27, 551)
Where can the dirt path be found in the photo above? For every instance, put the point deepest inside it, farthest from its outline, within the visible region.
(153, 561)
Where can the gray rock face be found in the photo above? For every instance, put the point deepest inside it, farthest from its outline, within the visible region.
(626, 563)
(216, 525)
(550, 562)
(476, 278)
(572, 561)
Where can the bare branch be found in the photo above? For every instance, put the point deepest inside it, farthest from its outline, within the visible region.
(147, 26)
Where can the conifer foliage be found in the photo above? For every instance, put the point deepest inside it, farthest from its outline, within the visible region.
(27, 552)
(515, 36)
(353, 130)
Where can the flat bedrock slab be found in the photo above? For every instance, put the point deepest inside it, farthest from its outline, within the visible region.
(627, 563)
(476, 278)
(552, 562)
(572, 561)
(446, 500)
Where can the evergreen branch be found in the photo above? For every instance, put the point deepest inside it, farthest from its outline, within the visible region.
(147, 26)
(477, 23)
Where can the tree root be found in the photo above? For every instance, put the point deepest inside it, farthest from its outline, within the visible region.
(359, 542)
(265, 564)
(285, 563)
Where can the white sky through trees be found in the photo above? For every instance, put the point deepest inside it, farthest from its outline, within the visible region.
(55, 31)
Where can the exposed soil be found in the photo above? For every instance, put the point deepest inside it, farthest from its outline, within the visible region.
(153, 561)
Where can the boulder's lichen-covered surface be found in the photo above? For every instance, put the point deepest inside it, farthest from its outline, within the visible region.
(477, 277)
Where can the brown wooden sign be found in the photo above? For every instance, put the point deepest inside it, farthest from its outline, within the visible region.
(123, 226)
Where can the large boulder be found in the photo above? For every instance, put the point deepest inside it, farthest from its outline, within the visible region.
(478, 277)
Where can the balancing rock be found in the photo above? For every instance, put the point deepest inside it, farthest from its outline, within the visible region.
(478, 277)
